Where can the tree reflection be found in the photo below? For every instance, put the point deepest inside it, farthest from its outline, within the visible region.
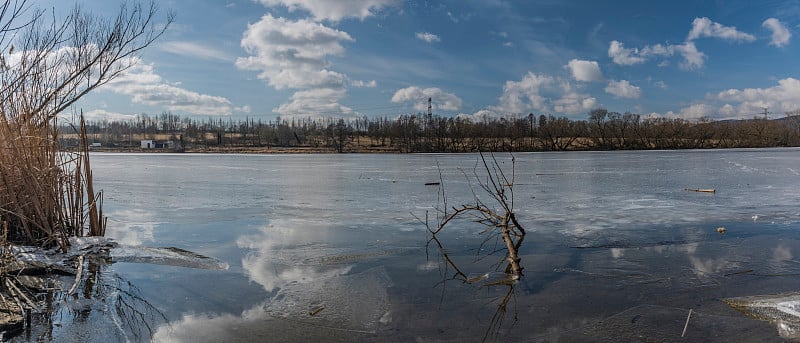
(101, 306)
(495, 280)
(503, 234)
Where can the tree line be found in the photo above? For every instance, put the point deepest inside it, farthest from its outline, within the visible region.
(601, 130)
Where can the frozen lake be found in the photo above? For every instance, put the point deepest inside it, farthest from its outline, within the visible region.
(327, 248)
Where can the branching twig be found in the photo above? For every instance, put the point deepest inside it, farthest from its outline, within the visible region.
(500, 224)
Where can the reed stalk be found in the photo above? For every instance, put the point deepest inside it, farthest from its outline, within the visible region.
(46, 195)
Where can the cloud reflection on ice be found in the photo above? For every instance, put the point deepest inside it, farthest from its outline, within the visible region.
(131, 226)
(278, 252)
(284, 259)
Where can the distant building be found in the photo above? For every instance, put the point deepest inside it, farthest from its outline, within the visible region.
(151, 144)
(165, 145)
(95, 145)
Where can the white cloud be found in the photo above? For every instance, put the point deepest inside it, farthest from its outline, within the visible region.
(428, 37)
(660, 84)
(622, 55)
(697, 111)
(727, 110)
(542, 93)
(585, 70)
(146, 87)
(524, 95)
(292, 55)
(335, 10)
(316, 103)
(781, 98)
(100, 115)
(623, 89)
(480, 116)
(744, 103)
(195, 50)
(364, 84)
(780, 34)
(574, 103)
(419, 97)
(704, 27)
(693, 58)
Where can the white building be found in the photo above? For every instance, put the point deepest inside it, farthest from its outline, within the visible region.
(148, 144)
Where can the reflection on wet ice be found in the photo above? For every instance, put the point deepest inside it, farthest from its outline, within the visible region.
(781, 309)
(316, 292)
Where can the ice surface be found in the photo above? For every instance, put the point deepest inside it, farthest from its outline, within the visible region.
(780, 309)
(102, 246)
(168, 256)
(294, 223)
(355, 302)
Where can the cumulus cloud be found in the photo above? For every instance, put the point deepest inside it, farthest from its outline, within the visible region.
(622, 55)
(783, 97)
(138, 80)
(744, 103)
(585, 70)
(428, 37)
(574, 103)
(291, 54)
(525, 95)
(623, 89)
(697, 111)
(146, 87)
(314, 103)
(704, 27)
(541, 93)
(440, 100)
(692, 57)
(335, 10)
(480, 116)
(780, 34)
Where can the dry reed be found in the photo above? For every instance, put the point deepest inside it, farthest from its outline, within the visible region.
(46, 195)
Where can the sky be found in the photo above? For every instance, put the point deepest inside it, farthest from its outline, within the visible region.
(265, 59)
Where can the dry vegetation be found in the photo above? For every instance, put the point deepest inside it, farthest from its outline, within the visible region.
(46, 65)
(45, 196)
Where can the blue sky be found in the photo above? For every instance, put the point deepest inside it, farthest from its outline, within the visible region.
(348, 58)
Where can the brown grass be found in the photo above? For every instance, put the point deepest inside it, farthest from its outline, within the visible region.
(46, 195)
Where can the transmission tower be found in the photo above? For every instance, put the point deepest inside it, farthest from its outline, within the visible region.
(430, 107)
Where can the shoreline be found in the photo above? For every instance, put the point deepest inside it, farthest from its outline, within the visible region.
(312, 150)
